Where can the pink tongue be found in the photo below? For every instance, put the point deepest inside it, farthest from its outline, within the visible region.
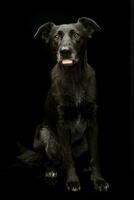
(67, 62)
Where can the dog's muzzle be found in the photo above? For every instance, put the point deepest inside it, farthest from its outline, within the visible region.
(66, 56)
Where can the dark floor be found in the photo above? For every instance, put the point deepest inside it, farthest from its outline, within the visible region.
(18, 177)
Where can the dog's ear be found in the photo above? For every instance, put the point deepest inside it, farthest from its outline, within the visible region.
(90, 25)
(44, 31)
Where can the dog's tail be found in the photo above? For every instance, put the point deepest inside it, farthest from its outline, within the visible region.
(29, 157)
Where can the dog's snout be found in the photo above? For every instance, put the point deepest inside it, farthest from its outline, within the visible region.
(65, 51)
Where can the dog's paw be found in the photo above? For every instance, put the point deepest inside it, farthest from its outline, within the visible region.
(51, 177)
(73, 186)
(101, 185)
(51, 174)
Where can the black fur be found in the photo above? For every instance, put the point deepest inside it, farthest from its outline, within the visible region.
(70, 125)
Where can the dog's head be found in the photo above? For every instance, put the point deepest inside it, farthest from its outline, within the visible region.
(68, 41)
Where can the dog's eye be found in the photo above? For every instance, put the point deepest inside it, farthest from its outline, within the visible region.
(76, 36)
(56, 37)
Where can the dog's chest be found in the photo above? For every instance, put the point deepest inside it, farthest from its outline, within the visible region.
(76, 116)
(78, 97)
(75, 105)
(78, 94)
(77, 128)
(74, 95)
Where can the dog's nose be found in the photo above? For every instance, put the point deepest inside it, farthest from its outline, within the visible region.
(65, 51)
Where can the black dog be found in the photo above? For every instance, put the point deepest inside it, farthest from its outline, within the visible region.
(70, 125)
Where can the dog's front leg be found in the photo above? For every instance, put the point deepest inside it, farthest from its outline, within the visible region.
(72, 180)
(99, 182)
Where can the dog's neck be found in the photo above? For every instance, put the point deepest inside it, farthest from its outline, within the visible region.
(70, 79)
(70, 82)
(75, 73)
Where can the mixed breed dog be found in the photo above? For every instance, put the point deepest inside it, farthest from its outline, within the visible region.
(69, 128)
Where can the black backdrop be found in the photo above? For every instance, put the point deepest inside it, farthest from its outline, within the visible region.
(25, 78)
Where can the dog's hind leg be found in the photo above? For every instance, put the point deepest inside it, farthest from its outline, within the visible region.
(46, 143)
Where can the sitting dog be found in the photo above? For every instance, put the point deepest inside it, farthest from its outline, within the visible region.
(69, 128)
